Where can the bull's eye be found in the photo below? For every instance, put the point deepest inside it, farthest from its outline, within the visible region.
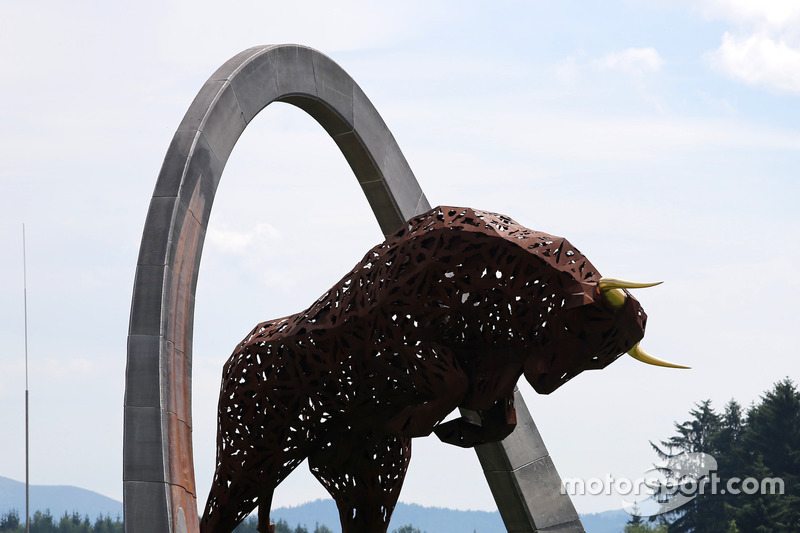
(614, 298)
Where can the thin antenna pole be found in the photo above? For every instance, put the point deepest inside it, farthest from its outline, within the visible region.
(25, 299)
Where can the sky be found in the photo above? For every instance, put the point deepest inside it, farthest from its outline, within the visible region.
(660, 138)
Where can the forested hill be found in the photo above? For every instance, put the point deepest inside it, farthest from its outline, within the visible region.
(430, 519)
(68, 499)
(59, 499)
(434, 519)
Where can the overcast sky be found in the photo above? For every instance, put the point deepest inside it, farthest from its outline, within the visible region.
(661, 138)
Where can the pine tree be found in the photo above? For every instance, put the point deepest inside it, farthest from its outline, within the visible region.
(698, 435)
(407, 529)
(771, 441)
(249, 525)
(43, 522)
(282, 526)
(644, 527)
(763, 445)
(635, 518)
(10, 522)
(731, 458)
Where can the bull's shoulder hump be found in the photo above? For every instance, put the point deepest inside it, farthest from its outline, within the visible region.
(268, 330)
(553, 250)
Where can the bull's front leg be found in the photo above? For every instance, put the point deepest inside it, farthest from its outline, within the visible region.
(437, 385)
(480, 427)
(363, 472)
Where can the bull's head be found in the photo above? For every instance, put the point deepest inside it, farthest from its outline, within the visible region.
(601, 321)
(614, 295)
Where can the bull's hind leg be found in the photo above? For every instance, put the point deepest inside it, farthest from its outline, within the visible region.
(364, 475)
(245, 478)
(235, 492)
(231, 499)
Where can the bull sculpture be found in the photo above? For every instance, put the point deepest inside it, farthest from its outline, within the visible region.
(448, 312)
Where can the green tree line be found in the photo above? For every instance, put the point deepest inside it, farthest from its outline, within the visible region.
(249, 525)
(281, 526)
(761, 443)
(44, 522)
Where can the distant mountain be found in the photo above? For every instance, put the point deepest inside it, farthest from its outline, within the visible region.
(58, 498)
(69, 499)
(605, 522)
(429, 519)
(435, 519)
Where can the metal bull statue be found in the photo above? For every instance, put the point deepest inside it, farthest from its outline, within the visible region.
(448, 312)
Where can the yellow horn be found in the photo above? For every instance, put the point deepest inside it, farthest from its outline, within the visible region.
(611, 289)
(606, 284)
(637, 353)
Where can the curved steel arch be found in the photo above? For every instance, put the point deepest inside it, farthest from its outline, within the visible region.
(158, 468)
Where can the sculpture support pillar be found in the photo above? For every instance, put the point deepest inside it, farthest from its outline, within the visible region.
(158, 469)
(524, 480)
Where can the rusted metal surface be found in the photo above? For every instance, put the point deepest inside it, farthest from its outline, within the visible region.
(178, 371)
(448, 312)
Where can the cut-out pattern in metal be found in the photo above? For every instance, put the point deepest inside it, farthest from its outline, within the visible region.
(448, 312)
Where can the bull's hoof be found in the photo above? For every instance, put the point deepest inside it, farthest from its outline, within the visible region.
(462, 432)
(266, 529)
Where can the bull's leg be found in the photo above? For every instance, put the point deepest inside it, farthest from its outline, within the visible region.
(230, 500)
(435, 388)
(264, 523)
(364, 479)
(262, 435)
(224, 520)
(246, 477)
(237, 490)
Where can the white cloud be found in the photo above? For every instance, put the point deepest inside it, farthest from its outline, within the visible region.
(771, 13)
(636, 61)
(764, 46)
(759, 59)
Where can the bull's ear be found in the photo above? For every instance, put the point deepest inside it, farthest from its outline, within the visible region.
(579, 294)
(577, 299)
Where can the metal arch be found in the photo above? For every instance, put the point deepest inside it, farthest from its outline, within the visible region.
(158, 468)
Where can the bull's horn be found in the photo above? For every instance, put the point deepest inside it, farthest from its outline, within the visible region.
(611, 289)
(606, 284)
(637, 353)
